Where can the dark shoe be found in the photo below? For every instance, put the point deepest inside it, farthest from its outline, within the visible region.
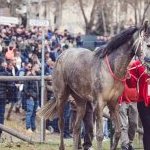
(124, 148)
(131, 147)
(67, 136)
(90, 148)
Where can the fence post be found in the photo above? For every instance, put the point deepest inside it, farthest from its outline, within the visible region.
(42, 86)
(111, 132)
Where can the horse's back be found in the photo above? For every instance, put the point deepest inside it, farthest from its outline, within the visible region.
(74, 54)
(73, 68)
(74, 57)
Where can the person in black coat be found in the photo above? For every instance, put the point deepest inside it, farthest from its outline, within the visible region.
(31, 89)
(4, 85)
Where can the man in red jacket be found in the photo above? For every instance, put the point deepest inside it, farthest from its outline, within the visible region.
(128, 111)
(143, 105)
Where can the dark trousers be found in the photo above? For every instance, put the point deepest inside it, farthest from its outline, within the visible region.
(144, 113)
(88, 122)
(67, 116)
(2, 112)
(88, 126)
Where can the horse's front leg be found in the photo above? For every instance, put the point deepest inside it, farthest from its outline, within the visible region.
(99, 125)
(114, 113)
(81, 107)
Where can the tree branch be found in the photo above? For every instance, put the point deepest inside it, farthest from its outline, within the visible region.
(145, 10)
(83, 12)
(92, 16)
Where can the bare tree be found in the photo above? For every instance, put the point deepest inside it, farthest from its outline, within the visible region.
(4, 3)
(58, 4)
(139, 12)
(89, 23)
(147, 6)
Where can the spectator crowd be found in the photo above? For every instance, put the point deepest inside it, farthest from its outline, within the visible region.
(20, 54)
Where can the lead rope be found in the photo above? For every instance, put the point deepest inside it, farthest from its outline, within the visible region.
(138, 80)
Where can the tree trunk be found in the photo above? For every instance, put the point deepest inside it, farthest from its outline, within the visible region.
(58, 13)
(145, 11)
(3, 3)
(118, 21)
(89, 22)
(104, 21)
(135, 16)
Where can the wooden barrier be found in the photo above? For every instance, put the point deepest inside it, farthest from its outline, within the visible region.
(17, 134)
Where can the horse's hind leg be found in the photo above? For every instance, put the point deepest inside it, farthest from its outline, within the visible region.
(81, 107)
(99, 127)
(60, 109)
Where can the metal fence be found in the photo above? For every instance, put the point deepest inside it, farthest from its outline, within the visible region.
(12, 114)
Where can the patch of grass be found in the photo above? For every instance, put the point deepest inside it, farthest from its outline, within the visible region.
(53, 144)
(52, 140)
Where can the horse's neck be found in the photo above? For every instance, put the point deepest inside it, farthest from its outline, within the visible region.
(119, 61)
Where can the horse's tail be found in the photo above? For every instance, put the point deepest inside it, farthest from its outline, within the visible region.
(49, 110)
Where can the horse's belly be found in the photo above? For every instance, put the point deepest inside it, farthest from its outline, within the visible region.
(82, 91)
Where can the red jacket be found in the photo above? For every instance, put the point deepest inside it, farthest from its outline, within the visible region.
(130, 90)
(143, 86)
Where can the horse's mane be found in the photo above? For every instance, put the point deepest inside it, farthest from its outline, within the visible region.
(116, 42)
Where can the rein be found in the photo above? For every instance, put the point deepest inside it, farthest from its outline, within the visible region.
(111, 72)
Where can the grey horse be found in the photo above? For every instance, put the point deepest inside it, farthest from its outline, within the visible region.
(97, 77)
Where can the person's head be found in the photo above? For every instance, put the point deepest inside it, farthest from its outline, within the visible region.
(46, 55)
(49, 62)
(17, 54)
(10, 65)
(36, 69)
(14, 61)
(28, 66)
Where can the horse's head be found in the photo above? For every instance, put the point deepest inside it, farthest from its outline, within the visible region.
(145, 45)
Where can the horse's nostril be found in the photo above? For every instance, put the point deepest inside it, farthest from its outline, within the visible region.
(148, 45)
